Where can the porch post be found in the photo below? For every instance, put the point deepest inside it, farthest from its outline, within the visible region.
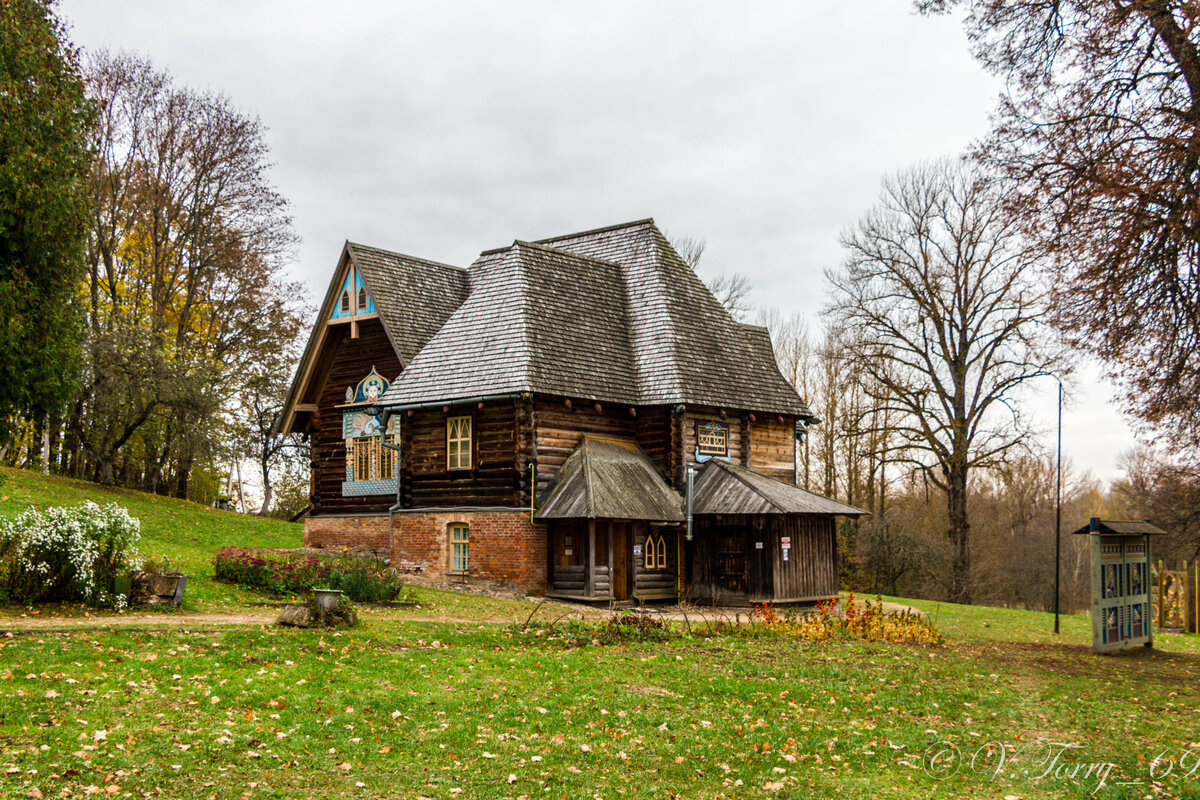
(611, 586)
(590, 562)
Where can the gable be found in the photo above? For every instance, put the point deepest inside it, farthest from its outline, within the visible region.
(410, 297)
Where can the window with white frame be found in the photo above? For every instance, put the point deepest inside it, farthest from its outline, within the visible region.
(460, 548)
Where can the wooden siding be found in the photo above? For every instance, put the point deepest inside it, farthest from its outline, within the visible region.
(725, 564)
(350, 360)
(493, 479)
(558, 430)
(773, 447)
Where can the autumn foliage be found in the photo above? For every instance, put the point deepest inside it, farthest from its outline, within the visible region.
(833, 620)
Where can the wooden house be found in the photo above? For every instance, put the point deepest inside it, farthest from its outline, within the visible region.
(534, 419)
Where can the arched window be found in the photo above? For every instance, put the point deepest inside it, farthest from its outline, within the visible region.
(362, 298)
(656, 552)
(345, 305)
(460, 548)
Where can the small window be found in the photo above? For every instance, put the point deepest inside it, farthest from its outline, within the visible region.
(362, 298)
(458, 443)
(460, 548)
(346, 301)
(656, 552)
(712, 439)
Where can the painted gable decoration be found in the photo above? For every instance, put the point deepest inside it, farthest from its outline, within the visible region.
(356, 424)
(353, 298)
(369, 389)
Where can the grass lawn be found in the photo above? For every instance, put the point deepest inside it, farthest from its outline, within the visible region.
(440, 702)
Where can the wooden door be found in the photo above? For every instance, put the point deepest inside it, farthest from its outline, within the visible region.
(620, 565)
(760, 585)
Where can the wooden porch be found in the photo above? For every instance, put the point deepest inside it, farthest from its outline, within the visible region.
(613, 561)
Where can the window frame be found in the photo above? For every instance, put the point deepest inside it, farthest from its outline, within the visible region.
(344, 303)
(706, 428)
(469, 440)
(459, 566)
(362, 299)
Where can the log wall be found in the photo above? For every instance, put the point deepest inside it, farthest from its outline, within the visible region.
(351, 361)
(493, 480)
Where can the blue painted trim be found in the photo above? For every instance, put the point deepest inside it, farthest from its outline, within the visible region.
(368, 488)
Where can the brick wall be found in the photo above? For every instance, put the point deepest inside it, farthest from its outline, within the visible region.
(347, 531)
(504, 545)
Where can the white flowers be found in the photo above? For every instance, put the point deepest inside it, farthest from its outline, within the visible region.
(69, 553)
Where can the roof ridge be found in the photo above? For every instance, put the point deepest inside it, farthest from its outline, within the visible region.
(429, 261)
(526, 306)
(735, 471)
(584, 457)
(605, 229)
(568, 253)
(674, 342)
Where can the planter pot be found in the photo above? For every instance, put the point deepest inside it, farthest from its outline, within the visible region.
(122, 584)
(327, 599)
(159, 590)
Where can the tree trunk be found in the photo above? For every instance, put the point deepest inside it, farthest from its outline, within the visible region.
(959, 532)
(268, 492)
(185, 471)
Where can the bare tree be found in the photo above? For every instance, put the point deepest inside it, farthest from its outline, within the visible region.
(1098, 129)
(938, 300)
(732, 289)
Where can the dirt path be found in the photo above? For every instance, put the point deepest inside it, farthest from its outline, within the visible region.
(166, 622)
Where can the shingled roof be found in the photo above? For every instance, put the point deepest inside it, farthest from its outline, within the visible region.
(612, 315)
(722, 488)
(610, 478)
(414, 297)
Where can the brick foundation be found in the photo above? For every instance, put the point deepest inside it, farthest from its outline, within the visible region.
(504, 545)
(347, 531)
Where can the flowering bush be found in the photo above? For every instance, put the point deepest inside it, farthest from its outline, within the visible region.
(280, 572)
(830, 620)
(68, 554)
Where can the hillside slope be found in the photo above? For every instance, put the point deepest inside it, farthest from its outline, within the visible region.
(187, 533)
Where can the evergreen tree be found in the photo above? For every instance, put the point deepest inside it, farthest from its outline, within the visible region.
(43, 165)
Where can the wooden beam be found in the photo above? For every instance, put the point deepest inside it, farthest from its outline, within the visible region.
(353, 328)
(611, 563)
(309, 407)
(590, 563)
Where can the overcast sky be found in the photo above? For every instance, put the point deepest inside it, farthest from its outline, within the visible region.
(443, 129)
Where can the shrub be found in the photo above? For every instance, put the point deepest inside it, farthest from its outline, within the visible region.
(283, 573)
(829, 621)
(619, 628)
(68, 554)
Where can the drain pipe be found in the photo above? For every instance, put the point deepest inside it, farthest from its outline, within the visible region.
(691, 479)
(385, 418)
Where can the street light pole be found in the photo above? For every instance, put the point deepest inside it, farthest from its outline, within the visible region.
(1058, 507)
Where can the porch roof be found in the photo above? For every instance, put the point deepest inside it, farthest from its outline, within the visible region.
(610, 478)
(1123, 527)
(722, 488)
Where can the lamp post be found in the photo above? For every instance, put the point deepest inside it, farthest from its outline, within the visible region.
(1058, 505)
